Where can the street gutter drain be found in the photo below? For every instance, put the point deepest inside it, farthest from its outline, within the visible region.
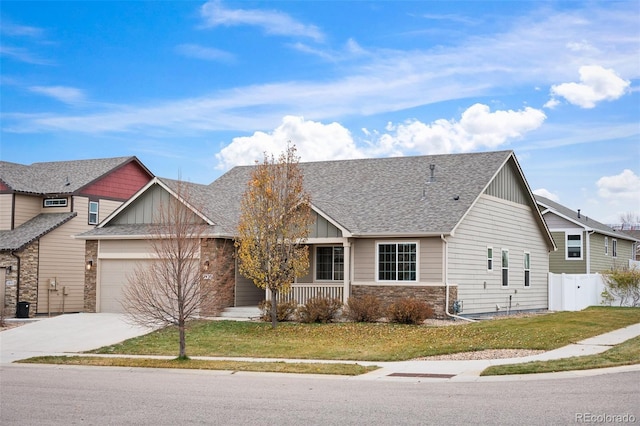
(425, 375)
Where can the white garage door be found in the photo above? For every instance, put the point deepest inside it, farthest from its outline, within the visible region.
(113, 277)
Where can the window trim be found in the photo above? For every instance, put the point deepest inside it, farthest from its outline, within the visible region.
(333, 269)
(64, 202)
(97, 213)
(567, 234)
(606, 246)
(504, 268)
(527, 269)
(489, 259)
(396, 243)
(614, 248)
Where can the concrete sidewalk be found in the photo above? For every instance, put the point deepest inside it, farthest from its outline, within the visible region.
(72, 333)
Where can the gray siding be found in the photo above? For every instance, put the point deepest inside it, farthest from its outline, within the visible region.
(499, 224)
(509, 186)
(247, 294)
(143, 209)
(322, 228)
(556, 222)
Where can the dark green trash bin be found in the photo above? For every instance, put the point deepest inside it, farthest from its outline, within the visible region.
(23, 310)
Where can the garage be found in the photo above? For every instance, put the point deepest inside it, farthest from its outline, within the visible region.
(114, 274)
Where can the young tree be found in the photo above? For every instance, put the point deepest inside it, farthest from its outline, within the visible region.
(169, 290)
(274, 225)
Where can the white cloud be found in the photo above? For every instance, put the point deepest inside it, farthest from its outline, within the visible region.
(547, 194)
(273, 22)
(16, 30)
(621, 188)
(206, 53)
(596, 84)
(314, 141)
(68, 95)
(477, 128)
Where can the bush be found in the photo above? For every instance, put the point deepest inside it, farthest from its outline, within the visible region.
(623, 284)
(365, 308)
(319, 309)
(284, 310)
(409, 311)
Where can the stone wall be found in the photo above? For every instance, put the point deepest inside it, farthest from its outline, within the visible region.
(90, 276)
(10, 302)
(435, 296)
(27, 282)
(217, 267)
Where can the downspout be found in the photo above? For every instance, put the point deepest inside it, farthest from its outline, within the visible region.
(445, 275)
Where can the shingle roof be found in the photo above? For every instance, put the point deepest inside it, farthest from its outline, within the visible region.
(57, 177)
(583, 220)
(17, 238)
(381, 196)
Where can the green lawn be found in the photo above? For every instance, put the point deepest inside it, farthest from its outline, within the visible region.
(378, 342)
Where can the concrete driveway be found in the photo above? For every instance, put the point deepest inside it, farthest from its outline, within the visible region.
(66, 333)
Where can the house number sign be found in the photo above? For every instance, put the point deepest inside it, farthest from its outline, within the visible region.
(207, 276)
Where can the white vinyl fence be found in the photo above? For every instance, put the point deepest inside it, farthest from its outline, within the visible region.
(574, 292)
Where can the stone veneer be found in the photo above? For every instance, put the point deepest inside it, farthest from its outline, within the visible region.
(24, 280)
(220, 274)
(10, 302)
(90, 276)
(435, 296)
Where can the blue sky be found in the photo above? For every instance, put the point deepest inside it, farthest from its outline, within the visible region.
(194, 88)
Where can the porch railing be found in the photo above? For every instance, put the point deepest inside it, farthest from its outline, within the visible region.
(303, 292)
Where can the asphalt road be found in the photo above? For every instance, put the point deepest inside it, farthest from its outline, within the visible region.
(51, 395)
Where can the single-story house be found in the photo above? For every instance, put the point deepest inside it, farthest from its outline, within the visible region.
(585, 246)
(42, 205)
(443, 228)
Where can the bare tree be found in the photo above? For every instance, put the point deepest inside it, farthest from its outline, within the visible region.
(274, 225)
(169, 289)
(629, 220)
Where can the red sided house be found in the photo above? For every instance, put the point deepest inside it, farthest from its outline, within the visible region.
(42, 205)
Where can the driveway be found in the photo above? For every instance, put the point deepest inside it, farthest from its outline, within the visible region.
(66, 333)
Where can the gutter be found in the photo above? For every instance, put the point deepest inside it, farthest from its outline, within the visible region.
(445, 272)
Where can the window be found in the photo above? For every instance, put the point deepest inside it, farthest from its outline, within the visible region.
(527, 269)
(330, 263)
(55, 202)
(397, 262)
(505, 268)
(614, 248)
(606, 246)
(574, 246)
(93, 212)
(489, 258)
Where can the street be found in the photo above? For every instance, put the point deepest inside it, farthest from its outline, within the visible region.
(50, 395)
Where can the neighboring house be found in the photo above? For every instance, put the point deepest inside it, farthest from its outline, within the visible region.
(42, 206)
(585, 246)
(459, 227)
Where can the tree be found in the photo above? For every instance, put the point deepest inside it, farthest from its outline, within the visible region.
(274, 224)
(169, 290)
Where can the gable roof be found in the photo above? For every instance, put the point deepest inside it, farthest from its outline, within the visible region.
(16, 239)
(366, 197)
(60, 177)
(580, 220)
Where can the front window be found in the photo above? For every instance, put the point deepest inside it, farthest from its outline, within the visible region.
(527, 269)
(574, 246)
(397, 262)
(489, 258)
(606, 246)
(330, 263)
(93, 212)
(55, 202)
(505, 268)
(614, 248)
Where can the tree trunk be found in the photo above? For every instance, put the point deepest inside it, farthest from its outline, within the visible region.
(274, 308)
(183, 342)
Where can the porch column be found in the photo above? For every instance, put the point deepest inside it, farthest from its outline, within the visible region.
(346, 291)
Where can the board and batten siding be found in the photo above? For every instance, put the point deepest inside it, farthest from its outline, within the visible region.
(429, 261)
(6, 211)
(500, 224)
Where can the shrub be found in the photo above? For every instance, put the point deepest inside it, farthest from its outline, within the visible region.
(284, 310)
(623, 284)
(365, 308)
(319, 309)
(409, 311)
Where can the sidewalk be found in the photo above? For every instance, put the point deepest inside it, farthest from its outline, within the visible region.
(74, 333)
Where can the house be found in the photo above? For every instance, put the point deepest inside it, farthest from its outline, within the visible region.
(585, 246)
(41, 206)
(443, 228)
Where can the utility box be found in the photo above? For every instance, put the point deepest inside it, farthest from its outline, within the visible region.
(23, 310)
